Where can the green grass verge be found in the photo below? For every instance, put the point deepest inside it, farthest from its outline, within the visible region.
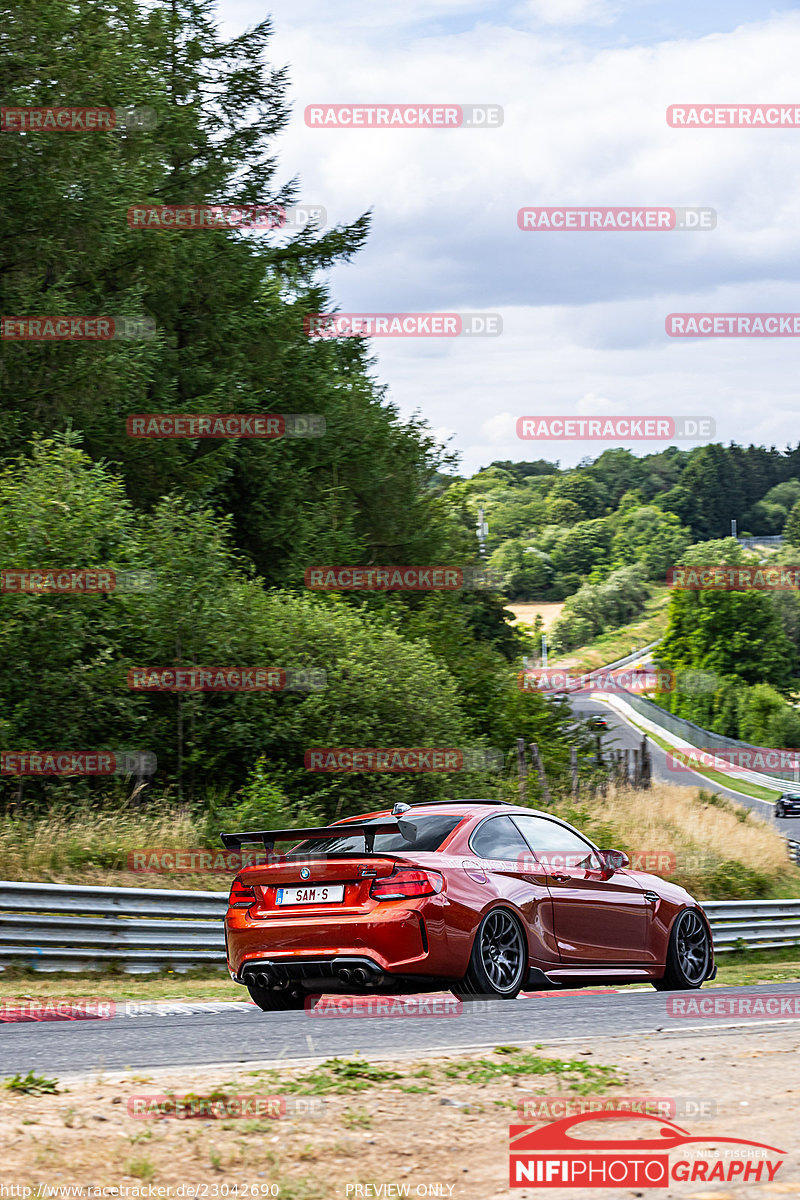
(504, 1063)
(747, 967)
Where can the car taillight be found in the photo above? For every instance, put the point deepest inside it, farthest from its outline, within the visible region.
(400, 885)
(241, 895)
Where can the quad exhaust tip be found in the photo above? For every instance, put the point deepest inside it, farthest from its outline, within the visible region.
(277, 976)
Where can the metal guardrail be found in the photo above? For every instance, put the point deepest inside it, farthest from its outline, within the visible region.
(58, 927)
(756, 924)
(61, 927)
(629, 658)
(704, 739)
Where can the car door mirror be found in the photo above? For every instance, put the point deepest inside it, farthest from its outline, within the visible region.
(614, 860)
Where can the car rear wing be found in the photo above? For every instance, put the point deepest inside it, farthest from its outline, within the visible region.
(268, 837)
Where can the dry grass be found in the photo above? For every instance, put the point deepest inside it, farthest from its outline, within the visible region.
(721, 850)
(91, 845)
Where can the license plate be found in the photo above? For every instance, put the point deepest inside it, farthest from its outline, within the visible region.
(310, 895)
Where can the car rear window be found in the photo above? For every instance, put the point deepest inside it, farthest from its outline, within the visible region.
(415, 832)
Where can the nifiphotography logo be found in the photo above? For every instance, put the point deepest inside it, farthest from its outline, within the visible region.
(556, 1155)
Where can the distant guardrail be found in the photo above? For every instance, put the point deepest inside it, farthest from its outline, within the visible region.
(60, 927)
(629, 658)
(749, 542)
(704, 739)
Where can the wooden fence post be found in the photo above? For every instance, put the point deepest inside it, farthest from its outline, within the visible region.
(537, 762)
(522, 771)
(647, 765)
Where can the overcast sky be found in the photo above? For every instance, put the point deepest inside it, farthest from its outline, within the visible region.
(584, 85)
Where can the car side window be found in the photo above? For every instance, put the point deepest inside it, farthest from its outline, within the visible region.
(556, 846)
(499, 838)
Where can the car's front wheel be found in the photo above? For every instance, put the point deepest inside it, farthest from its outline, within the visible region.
(499, 960)
(779, 812)
(272, 1001)
(688, 954)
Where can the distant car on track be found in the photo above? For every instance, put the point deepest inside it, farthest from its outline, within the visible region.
(788, 805)
(596, 721)
(477, 896)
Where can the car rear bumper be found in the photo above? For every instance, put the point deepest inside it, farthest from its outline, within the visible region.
(342, 973)
(387, 941)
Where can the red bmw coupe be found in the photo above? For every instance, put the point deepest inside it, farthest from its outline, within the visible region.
(477, 896)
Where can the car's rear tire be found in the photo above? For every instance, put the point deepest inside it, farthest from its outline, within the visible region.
(498, 965)
(272, 1001)
(688, 954)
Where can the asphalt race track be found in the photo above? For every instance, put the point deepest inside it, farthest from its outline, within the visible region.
(623, 736)
(174, 1034)
(242, 1033)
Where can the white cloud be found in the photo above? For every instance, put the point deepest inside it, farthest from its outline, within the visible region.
(571, 12)
(583, 313)
(497, 430)
(591, 405)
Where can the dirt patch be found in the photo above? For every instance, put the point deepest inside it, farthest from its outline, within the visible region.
(440, 1122)
(526, 614)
